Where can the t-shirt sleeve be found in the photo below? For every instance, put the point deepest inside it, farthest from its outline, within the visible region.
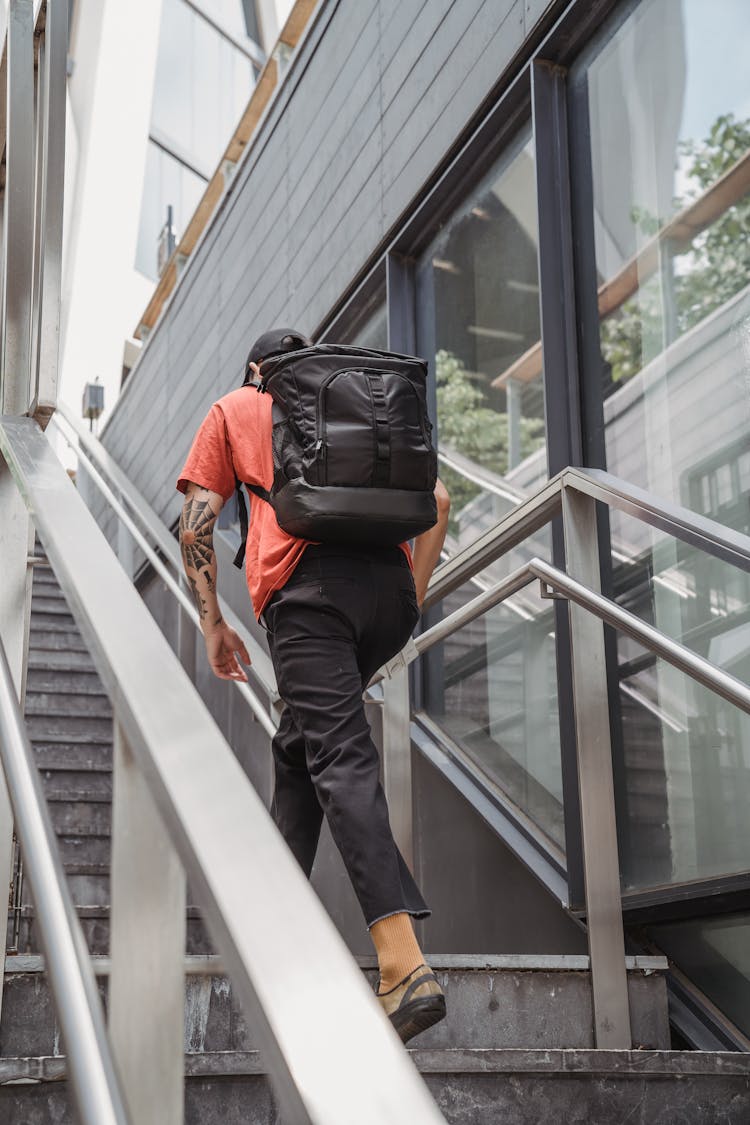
(209, 462)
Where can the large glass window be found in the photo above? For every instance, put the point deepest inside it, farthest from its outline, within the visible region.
(492, 685)
(167, 182)
(669, 119)
(202, 85)
(482, 273)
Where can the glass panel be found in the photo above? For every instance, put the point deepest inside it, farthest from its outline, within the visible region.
(669, 109)
(373, 333)
(166, 182)
(497, 696)
(482, 272)
(686, 751)
(715, 954)
(202, 85)
(172, 108)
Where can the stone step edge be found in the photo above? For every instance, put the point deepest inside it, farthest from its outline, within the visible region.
(212, 964)
(453, 1060)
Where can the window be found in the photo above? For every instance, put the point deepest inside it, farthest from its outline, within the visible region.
(669, 121)
(491, 686)
(482, 274)
(167, 182)
(202, 85)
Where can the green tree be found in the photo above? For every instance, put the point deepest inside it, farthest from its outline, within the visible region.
(707, 272)
(468, 426)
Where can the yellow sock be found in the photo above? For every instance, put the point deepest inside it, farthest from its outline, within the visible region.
(397, 948)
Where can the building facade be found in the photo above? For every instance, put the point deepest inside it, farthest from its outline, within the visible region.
(155, 89)
(550, 202)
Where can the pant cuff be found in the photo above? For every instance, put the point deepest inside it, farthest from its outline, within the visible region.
(402, 910)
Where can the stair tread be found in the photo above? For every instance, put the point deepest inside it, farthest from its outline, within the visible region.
(456, 1059)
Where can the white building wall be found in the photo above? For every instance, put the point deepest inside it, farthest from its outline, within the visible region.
(113, 47)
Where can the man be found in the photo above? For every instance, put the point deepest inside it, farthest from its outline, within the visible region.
(333, 615)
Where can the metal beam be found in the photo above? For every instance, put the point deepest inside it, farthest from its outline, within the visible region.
(51, 114)
(18, 219)
(94, 1083)
(147, 949)
(397, 780)
(596, 786)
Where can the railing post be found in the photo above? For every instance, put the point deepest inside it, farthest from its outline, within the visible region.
(595, 784)
(185, 634)
(18, 218)
(51, 113)
(147, 947)
(397, 760)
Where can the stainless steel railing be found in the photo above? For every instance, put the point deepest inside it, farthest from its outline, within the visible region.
(96, 1088)
(256, 705)
(152, 535)
(181, 788)
(571, 494)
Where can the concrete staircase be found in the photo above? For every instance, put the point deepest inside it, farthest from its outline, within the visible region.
(517, 1045)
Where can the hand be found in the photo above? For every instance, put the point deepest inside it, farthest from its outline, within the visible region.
(222, 645)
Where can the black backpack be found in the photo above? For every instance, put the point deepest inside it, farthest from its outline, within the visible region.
(353, 457)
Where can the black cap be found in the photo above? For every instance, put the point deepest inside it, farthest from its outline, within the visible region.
(276, 342)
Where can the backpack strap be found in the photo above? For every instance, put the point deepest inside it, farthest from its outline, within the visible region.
(264, 494)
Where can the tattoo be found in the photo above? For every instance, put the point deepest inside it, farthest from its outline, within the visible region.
(196, 534)
(200, 603)
(196, 541)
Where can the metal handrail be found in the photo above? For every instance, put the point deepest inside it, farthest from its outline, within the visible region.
(93, 1077)
(252, 700)
(695, 666)
(90, 449)
(253, 895)
(532, 514)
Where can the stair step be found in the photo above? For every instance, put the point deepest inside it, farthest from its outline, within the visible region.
(77, 785)
(59, 704)
(54, 622)
(84, 850)
(90, 757)
(470, 1087)
(48, 600)
(489, 1007)
(94, 921)
(65, 682)
(81, 818)
(45, 640)
(68, 706)
(60, 661)
(73, 729)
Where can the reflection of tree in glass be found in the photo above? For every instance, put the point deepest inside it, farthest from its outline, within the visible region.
(708, 273)
(467, 425)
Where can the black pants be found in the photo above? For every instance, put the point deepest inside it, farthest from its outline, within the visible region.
(340, 616)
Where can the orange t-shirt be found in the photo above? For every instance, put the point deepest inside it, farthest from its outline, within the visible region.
(234, 443)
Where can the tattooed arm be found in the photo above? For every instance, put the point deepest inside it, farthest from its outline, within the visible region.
(199, 513)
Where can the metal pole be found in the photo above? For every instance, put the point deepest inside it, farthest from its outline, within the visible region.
(147, 948)
(18, 235)
(186, 636)
(15, 613)
(397, 761)
(51, 123)
(90, 1068)
(596, 786)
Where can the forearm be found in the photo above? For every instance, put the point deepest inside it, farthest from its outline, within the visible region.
(199, 514)
(427, 547)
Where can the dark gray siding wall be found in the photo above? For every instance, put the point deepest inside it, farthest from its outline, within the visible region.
(375, 98)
